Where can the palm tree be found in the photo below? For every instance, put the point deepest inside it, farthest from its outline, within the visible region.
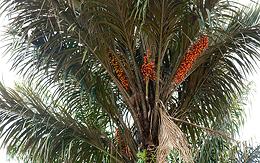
(248, 154)
(120, 80)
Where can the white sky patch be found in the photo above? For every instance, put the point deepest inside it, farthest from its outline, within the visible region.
(251, 129)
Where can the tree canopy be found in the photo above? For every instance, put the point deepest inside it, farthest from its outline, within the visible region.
(127, 80)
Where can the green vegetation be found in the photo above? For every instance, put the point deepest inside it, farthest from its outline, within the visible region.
(128, 80)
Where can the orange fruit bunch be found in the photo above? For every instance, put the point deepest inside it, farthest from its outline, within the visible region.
(127, 151)
(121, 144)
(119, 72)
(191, 55)
(148, 67)
(117, 136)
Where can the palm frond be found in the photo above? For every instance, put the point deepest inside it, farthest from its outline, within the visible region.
(43, 130)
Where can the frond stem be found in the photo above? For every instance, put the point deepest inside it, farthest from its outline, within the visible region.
(209, 130)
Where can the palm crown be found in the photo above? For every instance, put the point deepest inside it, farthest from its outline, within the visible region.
(109, 78)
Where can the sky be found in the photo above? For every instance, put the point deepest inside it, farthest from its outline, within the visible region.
(249, 132)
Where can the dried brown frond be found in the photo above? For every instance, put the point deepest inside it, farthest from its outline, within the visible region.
(171, 136)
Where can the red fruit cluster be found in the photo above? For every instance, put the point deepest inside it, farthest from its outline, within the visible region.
(121, 144)
(192, 54)
(119, 72)
(127, 151)
(148, 67)
(118, 136)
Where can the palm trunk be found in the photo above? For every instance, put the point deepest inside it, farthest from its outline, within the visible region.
(150, 140)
